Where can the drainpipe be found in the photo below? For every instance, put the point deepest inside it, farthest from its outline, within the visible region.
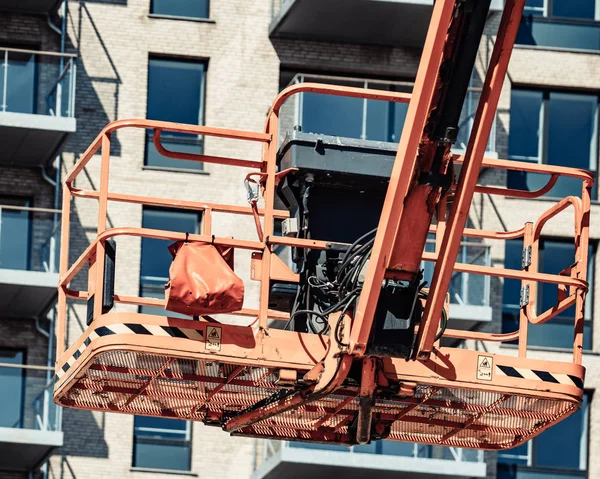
(52, 256)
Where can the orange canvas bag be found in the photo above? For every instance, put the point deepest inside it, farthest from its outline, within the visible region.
(202, 281)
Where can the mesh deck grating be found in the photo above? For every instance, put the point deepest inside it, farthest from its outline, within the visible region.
(147, 384)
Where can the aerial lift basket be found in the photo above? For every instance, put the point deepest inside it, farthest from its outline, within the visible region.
(336, 386)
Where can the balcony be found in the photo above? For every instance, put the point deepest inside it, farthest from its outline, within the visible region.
(30, 422)
(30, 7)
(29, 248)
(37, 101)
(469, 293)
(382, 459)
(379, 22)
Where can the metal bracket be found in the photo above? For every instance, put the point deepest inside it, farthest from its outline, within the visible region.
(526, 257)
(524, 300)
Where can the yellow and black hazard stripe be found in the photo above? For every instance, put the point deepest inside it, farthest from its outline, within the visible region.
(536, 375)
(131, 328)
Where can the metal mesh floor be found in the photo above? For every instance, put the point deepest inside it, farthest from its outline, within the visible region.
(147, 384)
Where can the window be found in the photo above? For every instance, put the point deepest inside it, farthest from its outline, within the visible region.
(558, 453)
(15, 233)
(155, 258)
(554, 256)
(561, 23)
(553, 128)
(180, 8)
(12, 383)
(160, 443)
(175, 93)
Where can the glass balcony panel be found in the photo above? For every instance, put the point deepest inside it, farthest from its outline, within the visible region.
(465, 288)
(29, 238)
(26, 402)
(37, 83)
(557, 33)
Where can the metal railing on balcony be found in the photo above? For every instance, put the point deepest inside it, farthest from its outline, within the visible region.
(29, 238)
(466, 289)
(37, 82)
(363, 118)
(384, 448)
(26, 399)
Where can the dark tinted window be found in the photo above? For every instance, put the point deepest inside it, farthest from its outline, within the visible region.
(15, 233)
(156, 259)
(584, 9)
(180, 8)
(554, 128)
(12, 384)
(20, 84)
(175, 94)
(160, 443)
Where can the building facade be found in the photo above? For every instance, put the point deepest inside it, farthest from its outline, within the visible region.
(69, 69)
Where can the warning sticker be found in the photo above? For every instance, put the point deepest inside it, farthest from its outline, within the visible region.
(484, 367)
(213, 338)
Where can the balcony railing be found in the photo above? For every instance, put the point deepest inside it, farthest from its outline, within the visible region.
(560, 33)
(26, 399)
(392, 457)
(366, 119)
(36, 82)
(29, 238)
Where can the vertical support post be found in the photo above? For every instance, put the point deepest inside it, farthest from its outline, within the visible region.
(485, 116)
(269, 196)
(207, 222)
(581, 255)
(366, 401)
(63, 267)
(402, 173)
(102, 211)
(523, 317)
(5, 78)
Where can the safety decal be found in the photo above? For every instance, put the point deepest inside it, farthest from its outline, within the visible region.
(484, 367)
(131, 328)
(536, 375)
(213, 338)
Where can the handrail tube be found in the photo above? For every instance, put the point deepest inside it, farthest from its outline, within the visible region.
(512, 193)
(513, 273)
(175, 203)
(155, 234)
(537, 230)
(201, 157)
(580, 173)
(38, 52)
(496, 235)
(163, 126)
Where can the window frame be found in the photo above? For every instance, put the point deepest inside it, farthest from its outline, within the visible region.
(166, 136)
(206, 19)
(186, 441)
(544, 122)
(199, 225)
(5, 200)
(23, 382)
(546, 10)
